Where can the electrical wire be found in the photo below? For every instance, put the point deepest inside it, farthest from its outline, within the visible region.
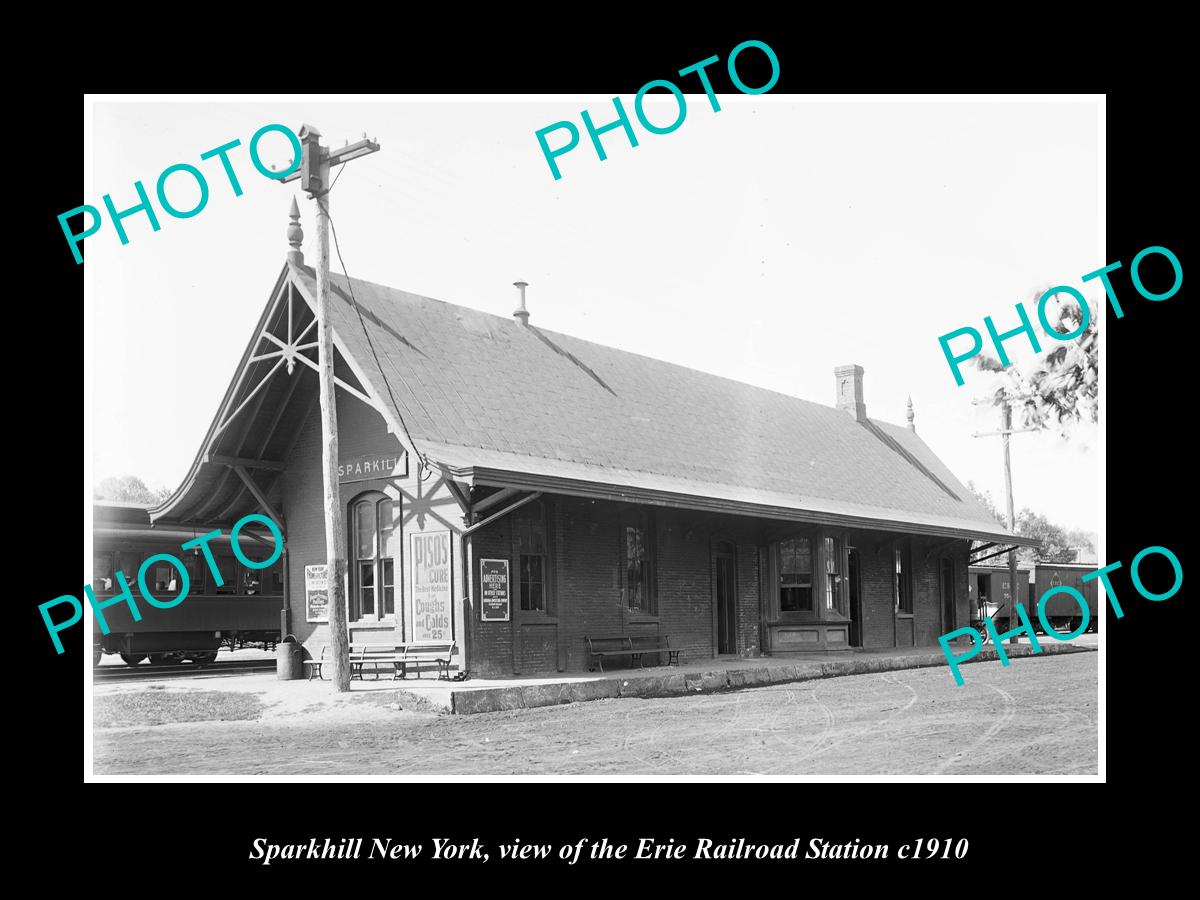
(370, 343)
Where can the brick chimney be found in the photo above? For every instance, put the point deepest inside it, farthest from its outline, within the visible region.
(849, 380)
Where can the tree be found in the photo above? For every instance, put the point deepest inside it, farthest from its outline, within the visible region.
(129, 489)
(985, 498)
(1062, 387)
(1056, 545)
(1087, 541)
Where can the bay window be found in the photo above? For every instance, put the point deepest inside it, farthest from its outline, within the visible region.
(795, 575)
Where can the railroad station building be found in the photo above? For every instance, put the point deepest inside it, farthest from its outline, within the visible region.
(518, 490)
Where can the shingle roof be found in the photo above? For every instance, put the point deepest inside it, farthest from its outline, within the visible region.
(476, 390)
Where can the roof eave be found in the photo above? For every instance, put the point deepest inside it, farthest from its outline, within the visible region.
(164, 509)
(489, 477)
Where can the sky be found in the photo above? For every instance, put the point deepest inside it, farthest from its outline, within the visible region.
(768, 242)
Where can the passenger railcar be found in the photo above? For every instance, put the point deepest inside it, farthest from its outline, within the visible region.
(244, 609)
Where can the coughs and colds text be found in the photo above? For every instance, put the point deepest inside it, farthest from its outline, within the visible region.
(443, 849)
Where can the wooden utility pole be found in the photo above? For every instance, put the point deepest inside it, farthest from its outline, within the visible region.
(1005, 432)
(1006, 436)
(314, 174)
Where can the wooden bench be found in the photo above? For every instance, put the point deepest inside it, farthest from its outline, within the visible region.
(417, 652)
(361, 655)
(398, 656)
(636, 647)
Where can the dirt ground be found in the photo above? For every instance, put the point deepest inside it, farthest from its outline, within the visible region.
(1038, 716)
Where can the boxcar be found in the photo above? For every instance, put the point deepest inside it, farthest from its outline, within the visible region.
(1062, 610)
(244, 608)
(990, 593)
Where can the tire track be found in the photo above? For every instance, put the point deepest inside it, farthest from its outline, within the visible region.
(1010, 710)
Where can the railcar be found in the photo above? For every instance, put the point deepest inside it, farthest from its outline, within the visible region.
(243, 609)
(1062, 610)
(991, 595)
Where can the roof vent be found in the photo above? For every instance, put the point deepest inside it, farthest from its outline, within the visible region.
(521, 314)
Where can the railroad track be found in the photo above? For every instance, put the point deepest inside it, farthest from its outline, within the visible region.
(220, 669)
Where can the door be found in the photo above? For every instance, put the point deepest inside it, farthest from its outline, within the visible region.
(855, 600)
(947, 595)
(726, 590)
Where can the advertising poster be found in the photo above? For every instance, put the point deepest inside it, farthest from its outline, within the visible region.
(430, 567)
(316, 593)
(494, 590)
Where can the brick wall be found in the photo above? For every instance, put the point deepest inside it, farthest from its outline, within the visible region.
(586, 569)
(877, 598)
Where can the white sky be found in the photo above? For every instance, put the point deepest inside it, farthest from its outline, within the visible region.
(768, 242)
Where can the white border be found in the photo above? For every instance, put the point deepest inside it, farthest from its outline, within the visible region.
(90, 358)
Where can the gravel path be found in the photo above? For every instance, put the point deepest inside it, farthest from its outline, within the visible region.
(1036, 717)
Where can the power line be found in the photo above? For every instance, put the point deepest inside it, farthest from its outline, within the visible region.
(371, 343)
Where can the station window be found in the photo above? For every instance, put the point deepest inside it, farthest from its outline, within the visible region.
(795, 575)
(530, 531)
(902, 583)
(833, 575)
(376, 547)
(637, 561)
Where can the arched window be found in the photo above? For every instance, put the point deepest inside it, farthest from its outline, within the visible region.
(376, 554)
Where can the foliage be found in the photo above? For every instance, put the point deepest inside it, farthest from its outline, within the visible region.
(129, 489)
(1062, 387)
(1056, 545)
(985, 498)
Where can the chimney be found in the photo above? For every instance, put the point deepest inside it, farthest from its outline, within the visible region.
(850, 391)
(521, 314)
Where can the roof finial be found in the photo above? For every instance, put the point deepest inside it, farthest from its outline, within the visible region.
(911, 426)
(295, 235)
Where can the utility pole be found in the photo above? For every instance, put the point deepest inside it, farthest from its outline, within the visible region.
(1005, 432)
(313, 173)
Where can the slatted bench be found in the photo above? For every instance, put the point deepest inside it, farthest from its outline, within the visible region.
(361, 655)
(636, 647)
(418, 652)
(398, 656)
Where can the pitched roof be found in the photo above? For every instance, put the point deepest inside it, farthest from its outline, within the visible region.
(511, 404)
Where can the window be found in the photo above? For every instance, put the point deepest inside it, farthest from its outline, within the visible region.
(375, 547)
(162, 578)
(102, 573)
(228, 566)
(833, 575)
(795, 575)
(128, 563)
(637, 561)
(259, 582)
(903, 593)
(530, 526)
